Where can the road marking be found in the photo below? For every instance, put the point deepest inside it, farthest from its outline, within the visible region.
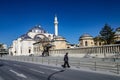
(18, 74)
(1, 78)
(37, 71)
(16, 65)
(55, 69)
(49, 68)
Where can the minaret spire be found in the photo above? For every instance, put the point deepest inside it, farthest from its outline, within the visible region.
(56, 25)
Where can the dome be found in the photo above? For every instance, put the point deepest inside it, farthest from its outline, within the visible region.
(37, 29)
(117, 33)
(25, 36)
(58, 38)
(85, 36)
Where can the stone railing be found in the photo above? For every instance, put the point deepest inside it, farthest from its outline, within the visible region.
(105, 51)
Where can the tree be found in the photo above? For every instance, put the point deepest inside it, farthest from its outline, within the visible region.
(97, 40)
(107, 34)
(1, 45)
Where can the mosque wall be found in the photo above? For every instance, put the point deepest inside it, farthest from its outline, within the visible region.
(106, 51)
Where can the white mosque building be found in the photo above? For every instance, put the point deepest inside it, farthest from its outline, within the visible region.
(24, 44)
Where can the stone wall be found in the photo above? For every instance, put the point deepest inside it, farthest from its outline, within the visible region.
(105, 51)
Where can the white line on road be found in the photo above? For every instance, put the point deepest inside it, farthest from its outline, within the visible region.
(1, 78)
(49, 68)
(18, 74)
(37, 71)
(55, 69)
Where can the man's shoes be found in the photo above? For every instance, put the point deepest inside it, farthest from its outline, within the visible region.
(63, 66)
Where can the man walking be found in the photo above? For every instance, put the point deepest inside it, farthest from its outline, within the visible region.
(66, 61)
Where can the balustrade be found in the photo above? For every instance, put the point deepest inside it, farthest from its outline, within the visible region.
(96, 50)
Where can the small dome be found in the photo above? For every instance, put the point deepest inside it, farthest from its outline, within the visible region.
(85, 36)
(58, 37)
(25, 36)
(37, 29)
(117, 33)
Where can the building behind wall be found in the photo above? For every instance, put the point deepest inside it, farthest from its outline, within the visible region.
(35, 39)
(3, 49)
(117, 36)
(24, 44)
(86, 40)
(57, 42)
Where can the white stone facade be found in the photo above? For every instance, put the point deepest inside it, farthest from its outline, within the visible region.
(24, 44)
(31, 42)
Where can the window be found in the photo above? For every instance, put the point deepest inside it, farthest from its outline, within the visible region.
(91, 42)
(86, 43)
(29, 51)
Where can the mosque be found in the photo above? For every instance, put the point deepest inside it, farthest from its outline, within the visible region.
(36, 40)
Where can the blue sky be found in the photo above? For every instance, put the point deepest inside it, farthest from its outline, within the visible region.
(75, 17)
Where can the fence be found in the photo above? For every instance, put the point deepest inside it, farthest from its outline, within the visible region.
(93, 64)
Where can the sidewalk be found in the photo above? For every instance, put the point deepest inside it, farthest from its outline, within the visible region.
(57, 62)
(105, 72)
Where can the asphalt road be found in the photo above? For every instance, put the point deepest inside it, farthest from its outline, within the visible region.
(13, 70)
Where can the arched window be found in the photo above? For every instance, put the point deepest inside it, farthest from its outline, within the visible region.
(29, 50)
(91, 42)
(86, 43)
(49, 35)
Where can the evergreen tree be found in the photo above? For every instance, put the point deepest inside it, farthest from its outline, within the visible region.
(107, 34)
(1, 45)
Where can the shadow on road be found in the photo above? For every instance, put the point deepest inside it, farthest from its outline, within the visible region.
(1, 63)
(49, 77)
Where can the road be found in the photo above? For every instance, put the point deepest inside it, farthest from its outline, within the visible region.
(13, 70)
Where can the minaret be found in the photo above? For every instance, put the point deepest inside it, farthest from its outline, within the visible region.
(56, 25)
